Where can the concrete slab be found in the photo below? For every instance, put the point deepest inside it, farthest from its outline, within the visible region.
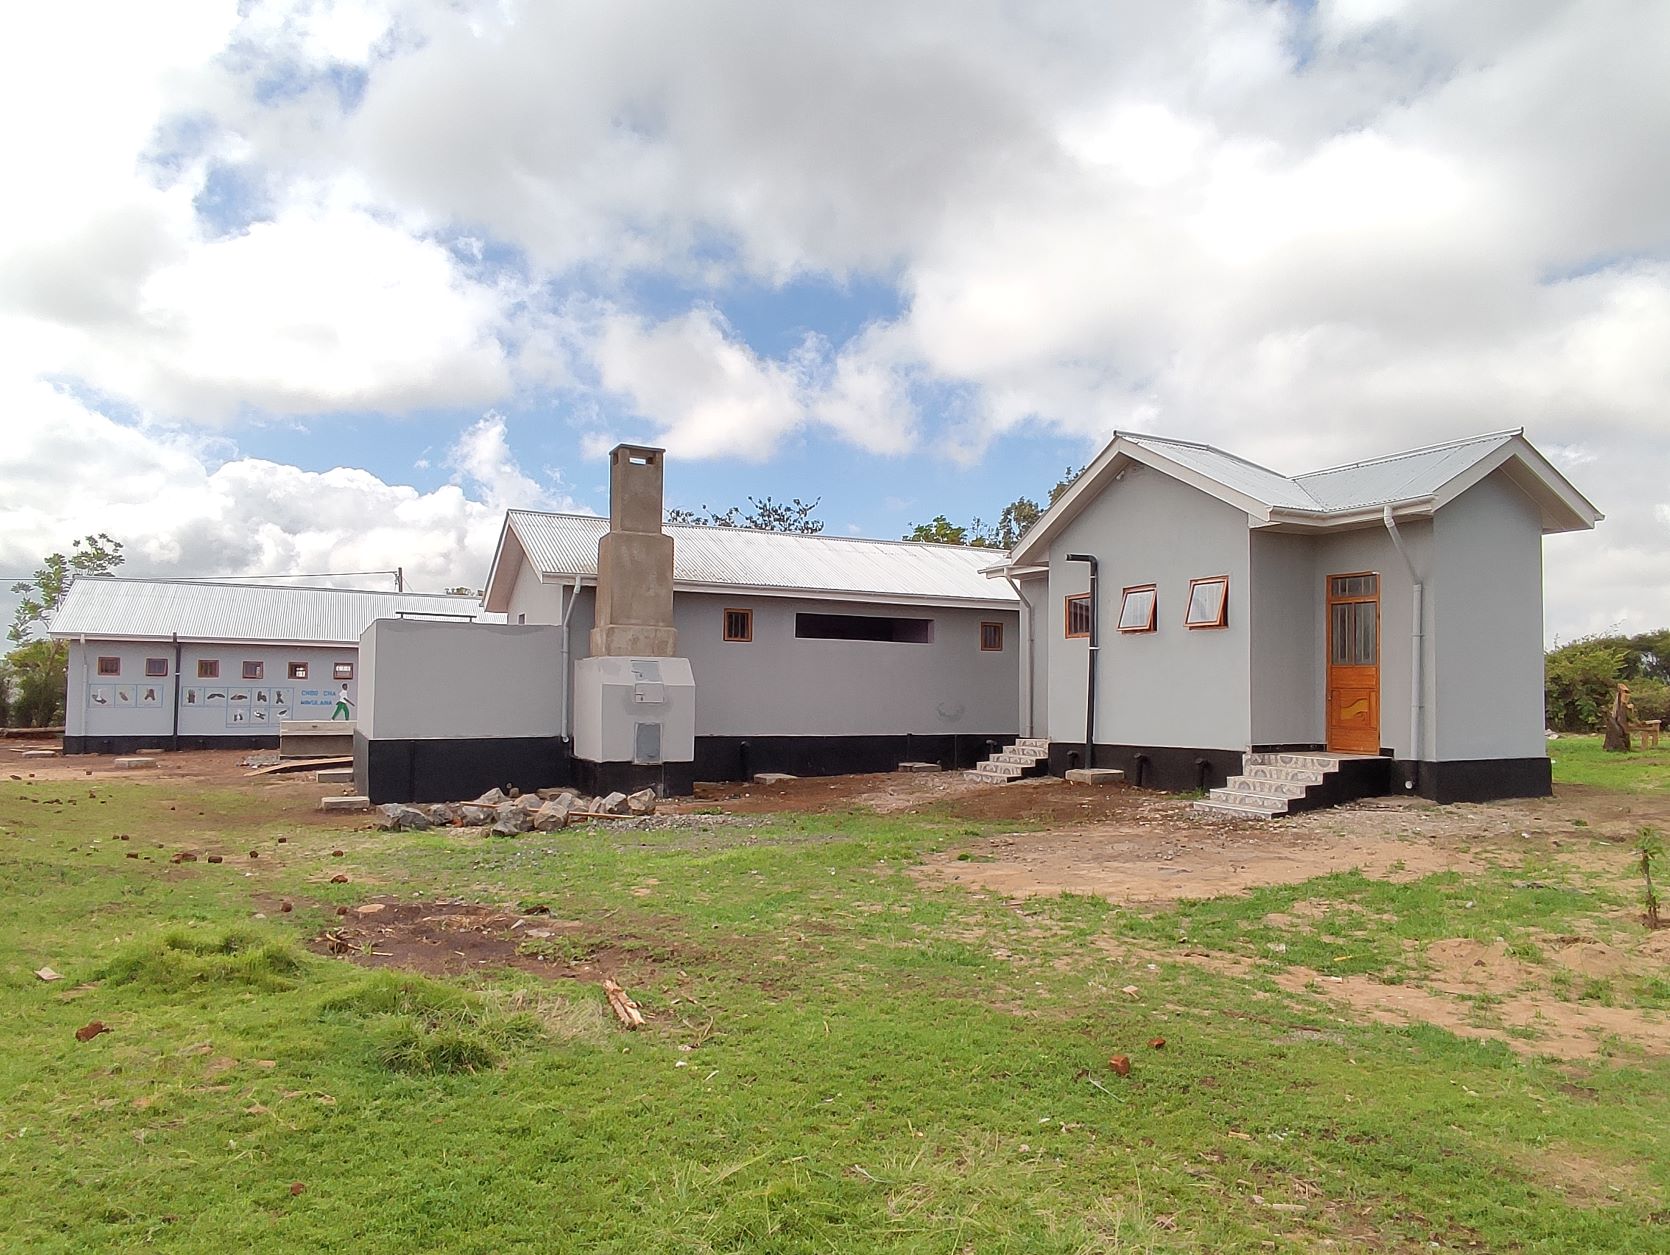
(335, 775)
(39, 754)
(773, 777)
(131, 764)
(1095, 775)
(344, 803)
(918, 767)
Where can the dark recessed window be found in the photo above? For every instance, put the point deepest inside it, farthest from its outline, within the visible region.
(208, 668)
(253, 670)
(1078, 614)
(342, 671)
(863, 627)
(1208, 603)
(110, 666)
(156, 666)
(739, 625)
(991, 637)
(1137, 612)
(298, 671)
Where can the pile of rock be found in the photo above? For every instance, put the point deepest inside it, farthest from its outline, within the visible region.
(510, 814)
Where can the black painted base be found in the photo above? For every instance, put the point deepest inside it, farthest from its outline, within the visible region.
(1477, 780)
(165, 741)
(450, 771)
(1169, 768)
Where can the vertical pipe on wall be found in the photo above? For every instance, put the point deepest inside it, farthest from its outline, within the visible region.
(1092, 655)
(1417, 650)
(176, 744)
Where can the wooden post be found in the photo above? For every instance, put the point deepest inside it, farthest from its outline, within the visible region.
(1617, 722)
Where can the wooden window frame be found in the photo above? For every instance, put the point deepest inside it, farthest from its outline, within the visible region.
(161, 674)
(342, 671)
(297, 670)
(208, 668)
(1067, 616)
(254, 669)
(991, 625)
(1223, 610)
(108, 665)
(1153, 609)
(748, 620)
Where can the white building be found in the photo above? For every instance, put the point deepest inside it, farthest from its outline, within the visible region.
(192, 664)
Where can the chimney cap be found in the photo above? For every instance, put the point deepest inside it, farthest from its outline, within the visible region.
(631, 449)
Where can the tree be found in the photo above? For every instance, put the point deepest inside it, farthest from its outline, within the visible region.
(1579, 680)
(764, 514)
(1012, 522)
(38, 669)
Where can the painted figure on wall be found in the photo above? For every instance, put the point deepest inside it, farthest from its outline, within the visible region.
(344, 705)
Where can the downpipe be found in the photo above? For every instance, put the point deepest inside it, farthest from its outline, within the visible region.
(1417, 651)
(1092, 655)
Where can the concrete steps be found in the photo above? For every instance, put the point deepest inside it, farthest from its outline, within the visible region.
(1268, 785)
(1028, 756)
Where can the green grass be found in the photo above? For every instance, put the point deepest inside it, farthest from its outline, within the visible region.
(838, 1058)
(1582, 760)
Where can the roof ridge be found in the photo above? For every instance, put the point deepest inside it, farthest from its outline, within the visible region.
(1233, 457)
(190, 582)
(1409, 453)
(767, 531)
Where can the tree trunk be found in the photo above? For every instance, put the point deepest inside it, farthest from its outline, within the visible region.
(1617, 723)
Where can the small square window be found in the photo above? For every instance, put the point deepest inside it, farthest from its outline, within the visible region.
(298, 671)
(991, 638)
(1138, 611)
(208, 668)
(739, 625)
(1208, 603)
(1078, 615)
(156, 666)
(342, 671)
(110, 666)
(253, 670)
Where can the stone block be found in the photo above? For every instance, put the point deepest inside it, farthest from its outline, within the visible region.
(398, 817)
(922, 768)
(642, 802)
(476, 816)
(773, 777)
(613, 804)
(354, 803)
(134, 764)
(509, 828)
(553, 816)
(511, 815)
(335, 775)
(39, 754)
(491, 798)
(1095, 775)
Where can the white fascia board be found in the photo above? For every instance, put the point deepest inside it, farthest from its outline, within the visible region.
(492, 596)
(860, 596)
(78, 638)
(1344, 520)
(1546, 481)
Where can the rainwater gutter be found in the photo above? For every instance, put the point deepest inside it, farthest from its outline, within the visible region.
(1091, 656)
(563, 720)
(1417, 650)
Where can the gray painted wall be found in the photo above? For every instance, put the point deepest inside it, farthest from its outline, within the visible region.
(1036, 590)
(1487, 589)
(237, 712)
(460, 680)
(1172, 687)
(1287, 645)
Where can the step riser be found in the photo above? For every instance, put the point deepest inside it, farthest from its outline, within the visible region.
(1309, 762)
(1016, 760)
(1036, 755)
(1293, 775)
(1270, 788)
(1258, 801)
(1034, 743)
(1229, 811)
(1001, 771)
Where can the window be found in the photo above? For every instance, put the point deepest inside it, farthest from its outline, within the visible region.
(208, 668)
(1208, 603)
(863, 627)
(110, 666)
(739, 625)
(298, 671)
(991, 638)
(342, 671)
(156, 666)
(253, 670)
(1138, 611)
(1078, 614)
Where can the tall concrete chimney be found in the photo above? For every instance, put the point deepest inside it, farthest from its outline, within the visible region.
(634, 562)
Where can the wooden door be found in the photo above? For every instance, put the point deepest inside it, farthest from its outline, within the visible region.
(1354, 663)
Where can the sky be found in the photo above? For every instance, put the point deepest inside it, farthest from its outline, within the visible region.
(307, 286)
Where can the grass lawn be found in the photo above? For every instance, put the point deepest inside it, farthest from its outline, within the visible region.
(1581, 760)
(839, 1056)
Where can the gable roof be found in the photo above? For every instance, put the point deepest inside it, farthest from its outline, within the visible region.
(201, 610)
(1413, 483)
(563, 547)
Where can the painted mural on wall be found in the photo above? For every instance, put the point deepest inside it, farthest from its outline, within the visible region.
(258, 706)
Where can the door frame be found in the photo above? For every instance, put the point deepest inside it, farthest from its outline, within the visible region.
(1329, 666)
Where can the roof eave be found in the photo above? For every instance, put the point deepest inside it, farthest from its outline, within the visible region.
(495, 596)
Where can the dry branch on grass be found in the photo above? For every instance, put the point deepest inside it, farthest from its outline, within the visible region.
(624, 1008)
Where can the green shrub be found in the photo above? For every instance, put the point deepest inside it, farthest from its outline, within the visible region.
(1580, 681)
(183, 958)
(1652, 699)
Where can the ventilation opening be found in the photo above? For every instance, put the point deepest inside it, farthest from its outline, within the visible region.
(863, 627)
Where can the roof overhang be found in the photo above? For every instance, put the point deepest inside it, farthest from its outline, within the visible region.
(507, 565)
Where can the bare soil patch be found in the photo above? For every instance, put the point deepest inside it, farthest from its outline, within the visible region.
(1043, 801)
(458, 938)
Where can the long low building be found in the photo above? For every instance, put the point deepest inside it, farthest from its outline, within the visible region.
(195, 664)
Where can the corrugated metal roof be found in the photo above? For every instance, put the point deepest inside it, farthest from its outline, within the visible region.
(207, 611)
(1247, 478)
(1400, 477)
(565, 545)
